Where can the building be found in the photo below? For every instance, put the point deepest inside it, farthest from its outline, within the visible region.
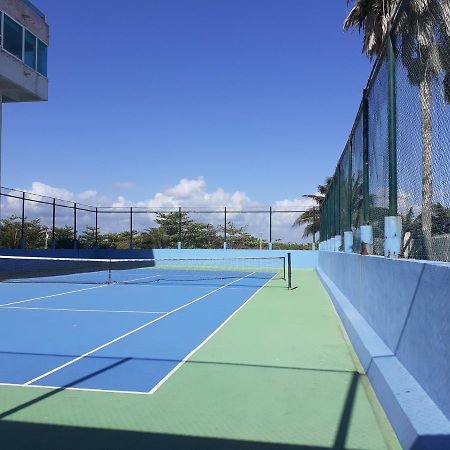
(24, 39)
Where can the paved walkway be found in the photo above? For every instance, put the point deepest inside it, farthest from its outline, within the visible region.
(280, 375)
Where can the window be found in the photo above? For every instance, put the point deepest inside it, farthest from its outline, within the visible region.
(41, 58)
(30, 50)
(12, 37)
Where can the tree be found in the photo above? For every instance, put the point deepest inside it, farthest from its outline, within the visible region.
(63, 237)
(194, 234)
(152, 238)
(424, 27)
(311, 217)
(238, 237)
(11, 232)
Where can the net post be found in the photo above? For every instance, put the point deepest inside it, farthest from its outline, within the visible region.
(53, 223)
(22, 228)
(110, 272)
(289, 271)
(75, 226)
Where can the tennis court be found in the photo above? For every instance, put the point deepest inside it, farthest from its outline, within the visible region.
(120, 326)
(192, 359)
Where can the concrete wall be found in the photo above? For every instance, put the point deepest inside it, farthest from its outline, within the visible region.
(301, 259)
(27, 15)
(18, 82)
(397, 315)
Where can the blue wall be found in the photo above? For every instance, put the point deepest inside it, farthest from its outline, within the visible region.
(301, 259)
(397, 315)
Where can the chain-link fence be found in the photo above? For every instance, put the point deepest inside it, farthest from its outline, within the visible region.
(396, 162)
(34, 221)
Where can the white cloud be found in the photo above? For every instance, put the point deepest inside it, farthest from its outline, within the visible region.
(185, 193)
(49, 191)
(195, 193)
(88, 195)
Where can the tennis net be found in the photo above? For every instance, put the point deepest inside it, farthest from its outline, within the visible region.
(15, 269)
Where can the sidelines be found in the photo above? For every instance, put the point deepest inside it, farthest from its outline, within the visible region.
(84, 310)
(84, 355)
(189, 355)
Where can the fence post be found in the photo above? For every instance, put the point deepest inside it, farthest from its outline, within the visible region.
(365, 218)
(338, 232)
(75, 243)
(131, 227)
(392, 120)
(225, 228)
(393, 223)
(22, 229)
(314, 230)
(179, 228)
(96, 227)
(53, 223)
(333, 213)
(366, 231)
(348, 232)
(270, 228)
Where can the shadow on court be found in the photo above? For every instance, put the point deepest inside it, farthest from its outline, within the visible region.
(23, 435)
(165, 360)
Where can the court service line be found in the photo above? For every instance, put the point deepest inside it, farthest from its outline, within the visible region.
(145, 325)
(83, 310)
(52, 295)
(71, 292)
(188, 356)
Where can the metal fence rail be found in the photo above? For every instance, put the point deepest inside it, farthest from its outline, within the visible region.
(390, 193)
(35, 221)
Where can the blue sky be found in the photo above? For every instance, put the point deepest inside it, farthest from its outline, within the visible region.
(253, 98)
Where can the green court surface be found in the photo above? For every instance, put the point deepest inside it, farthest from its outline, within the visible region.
(279, 375)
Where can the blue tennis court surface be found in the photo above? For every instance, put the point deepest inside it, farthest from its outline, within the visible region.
(112, 337)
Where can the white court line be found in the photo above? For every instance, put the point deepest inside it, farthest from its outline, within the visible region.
(145, 325)
(163, 380)
(70, 292)
(52, 295)
(39, 386)
(83, 310)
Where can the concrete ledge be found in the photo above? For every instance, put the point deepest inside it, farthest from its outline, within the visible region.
(415, 417)
(418, 422)
(366, 342)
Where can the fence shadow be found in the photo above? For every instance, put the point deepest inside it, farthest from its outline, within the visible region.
(21, 435)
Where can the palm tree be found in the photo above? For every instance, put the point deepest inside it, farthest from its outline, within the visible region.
(424, 26)
(311, 217)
